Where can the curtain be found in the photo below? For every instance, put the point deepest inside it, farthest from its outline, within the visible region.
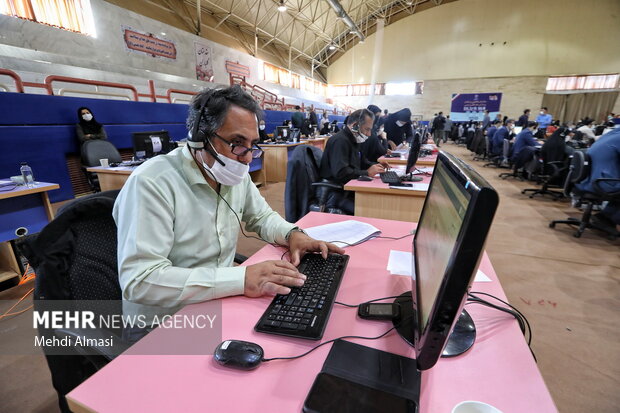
(575, 106)
(74, 15)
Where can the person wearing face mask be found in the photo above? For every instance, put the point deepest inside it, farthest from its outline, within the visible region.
(543, 119)
(398, 126)
(178, 216)
(342, 160)
(502, 133)
(438, 128)
(262, 135)
(88, 128)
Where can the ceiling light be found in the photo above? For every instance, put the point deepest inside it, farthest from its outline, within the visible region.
(352, 32)
(163, 34)
(332, 47)
(409, 3)
(281, 6)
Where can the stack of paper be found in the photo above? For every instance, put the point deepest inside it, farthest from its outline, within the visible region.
(344, 233)
(400, 263)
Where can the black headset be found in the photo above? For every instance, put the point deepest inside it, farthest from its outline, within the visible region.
(198, 138)
(358, 118)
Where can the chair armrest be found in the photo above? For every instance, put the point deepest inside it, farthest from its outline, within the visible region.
(95, 353)
(596, 185)
(327, 185)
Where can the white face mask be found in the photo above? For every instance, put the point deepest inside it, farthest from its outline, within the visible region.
(261, 127)
(361, 138)
(87, 117)
(400, 123)
(534, 131)
(542, 113)
(230, 175)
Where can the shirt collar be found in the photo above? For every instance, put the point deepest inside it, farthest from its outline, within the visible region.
(190, 168)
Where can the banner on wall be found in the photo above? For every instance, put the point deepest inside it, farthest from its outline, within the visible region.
(148, 43)
(204, 68)
(471, 106)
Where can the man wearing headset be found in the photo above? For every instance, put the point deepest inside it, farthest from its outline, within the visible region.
(178, 216)
(343, 159)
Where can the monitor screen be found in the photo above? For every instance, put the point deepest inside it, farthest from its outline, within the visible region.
(447, 247)
(517, 130)
(149, 144)
(283, 132)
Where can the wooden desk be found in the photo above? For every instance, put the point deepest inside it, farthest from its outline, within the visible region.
(498, 369)
(276, 159)
(115, 177)
(317, 142)
(426, 161)
(374, 199)
(21, 207)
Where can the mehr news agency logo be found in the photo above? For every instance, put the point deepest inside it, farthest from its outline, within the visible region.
(82, 320)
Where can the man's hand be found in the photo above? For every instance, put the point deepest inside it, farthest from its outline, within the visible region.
(271, 278)
(299, 244)
(375, 169)
(385, 165)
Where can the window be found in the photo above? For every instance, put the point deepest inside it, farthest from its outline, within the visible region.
(356, 89)
(404, 88)
(72, 15)
(585, 82)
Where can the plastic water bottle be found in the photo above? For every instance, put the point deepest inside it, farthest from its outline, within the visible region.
(27, 175)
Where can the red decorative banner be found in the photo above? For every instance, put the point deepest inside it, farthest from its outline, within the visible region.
(236, 68)
(149, 44)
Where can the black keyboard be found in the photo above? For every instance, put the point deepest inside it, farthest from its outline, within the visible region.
(304, 312)
(390, 177)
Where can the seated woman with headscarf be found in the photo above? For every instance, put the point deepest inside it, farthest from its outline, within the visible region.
(88, 128)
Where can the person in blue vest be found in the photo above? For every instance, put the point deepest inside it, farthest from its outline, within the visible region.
(543, 119)
(525, 138)
(491, 131)
(605, 163)
(503, 132)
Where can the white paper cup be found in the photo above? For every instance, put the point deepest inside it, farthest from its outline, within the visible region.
(474, 407)
(104, 162)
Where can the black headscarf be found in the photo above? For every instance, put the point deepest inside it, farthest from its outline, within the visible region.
(91, 126)
(554, 148)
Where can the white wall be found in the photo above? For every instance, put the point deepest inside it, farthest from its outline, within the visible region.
(105, 57)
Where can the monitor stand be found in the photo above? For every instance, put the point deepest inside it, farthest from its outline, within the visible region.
(461, 339)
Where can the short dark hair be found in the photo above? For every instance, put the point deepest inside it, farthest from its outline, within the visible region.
(441, 113)
(359, 116)
(544, 108)
(532, 124)
(216, 104)
(297, 107)
(526, 110)
(386, 111)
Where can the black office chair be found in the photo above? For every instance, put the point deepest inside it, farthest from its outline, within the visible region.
(74, 258)
(579, 170)
(547, 174)
(92, 152)
(494, 159)
(305, 191)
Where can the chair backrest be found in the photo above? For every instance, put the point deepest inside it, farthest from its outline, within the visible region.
(302, 172)
(74, 256)
(93, 151)
(506, 149)
(580, 166)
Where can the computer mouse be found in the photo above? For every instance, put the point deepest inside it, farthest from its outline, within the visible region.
(364, 178)
(237, 354)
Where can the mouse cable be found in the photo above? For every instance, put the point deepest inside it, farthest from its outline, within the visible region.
(476, 293)
(524, 324)
(335, 339)
(365, 302)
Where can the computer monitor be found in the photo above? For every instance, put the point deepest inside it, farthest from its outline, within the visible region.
(517, 130)
(283, 133)
(414, 153)
(149, 144)
(447, 247)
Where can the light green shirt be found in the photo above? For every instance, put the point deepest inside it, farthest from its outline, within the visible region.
(177, 238)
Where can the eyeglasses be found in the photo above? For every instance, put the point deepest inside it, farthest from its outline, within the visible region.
(240, 150)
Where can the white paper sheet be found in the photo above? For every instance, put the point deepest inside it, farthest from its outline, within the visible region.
(156, 142)
(413, 187)
(350, 232)
(399, 263)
